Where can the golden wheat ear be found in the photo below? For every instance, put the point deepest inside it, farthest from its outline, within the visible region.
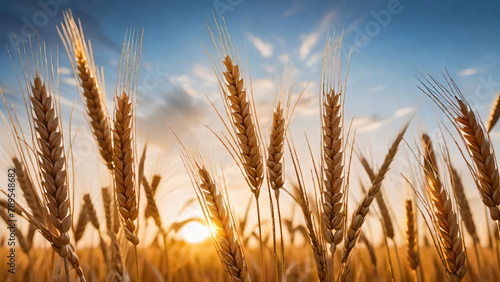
(91, 84)
(444, 219)
(332, 95)
(219, 216)
(494, 113)
(124, 168)
(361, 210)
(475, 137)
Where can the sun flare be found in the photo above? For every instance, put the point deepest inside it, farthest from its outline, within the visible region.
(194, 232)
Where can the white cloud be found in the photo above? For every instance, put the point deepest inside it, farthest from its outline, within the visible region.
(377, 88)
(365, 124)
(403, 111)
(284, 58)
(265, 48)
(310, 40)
(313, 59)
(204, 73)
(296, 7)
(63, 70)
(184, 82)
(263, 87)
(471, 71)
(69, 81)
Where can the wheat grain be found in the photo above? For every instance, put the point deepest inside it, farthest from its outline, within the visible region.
(81, 224)
(463, 204)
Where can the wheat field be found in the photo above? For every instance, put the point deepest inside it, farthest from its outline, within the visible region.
(306, 215)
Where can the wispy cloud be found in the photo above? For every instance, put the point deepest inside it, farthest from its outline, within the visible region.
(472, 71)
(204, 73)
(310, 40)
(184, 82)
(284, 58)
(64, 70)
(377, 88)
(313, 59)
(296, 7)
(366, 124)
(265, 48)
(69, 81)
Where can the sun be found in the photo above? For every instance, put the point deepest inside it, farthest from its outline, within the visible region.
(194, 232)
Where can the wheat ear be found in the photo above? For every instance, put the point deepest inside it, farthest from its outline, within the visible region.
(219, 216)
(411, 236)
(317, 241)
(81, 224)
(124, 168)
(494, 114)
(88, 77)
(384, 210)
(463, 204)
(445, 220)
(332, 122)
(359, 214)
(52, 161)
(29, 192)
(155, 183)
(475, 137)
(92, 216)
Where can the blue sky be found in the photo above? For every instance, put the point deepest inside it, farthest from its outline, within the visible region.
(391, 42)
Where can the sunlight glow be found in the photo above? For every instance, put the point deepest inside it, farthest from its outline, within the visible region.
(194, 232)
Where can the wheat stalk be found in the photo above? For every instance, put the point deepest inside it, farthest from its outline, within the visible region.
(81, 58)
(359, 214)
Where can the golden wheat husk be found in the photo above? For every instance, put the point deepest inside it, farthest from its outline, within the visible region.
(82, 59)
(361, 210)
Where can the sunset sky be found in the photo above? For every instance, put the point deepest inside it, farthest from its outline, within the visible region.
(391, 42)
